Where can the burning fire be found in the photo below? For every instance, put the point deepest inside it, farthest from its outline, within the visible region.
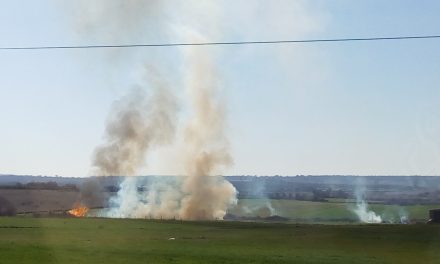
(79, 211)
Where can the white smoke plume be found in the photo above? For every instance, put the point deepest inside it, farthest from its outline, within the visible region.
(364, 214)
(160, 201)
(403, 216)
(362, 211)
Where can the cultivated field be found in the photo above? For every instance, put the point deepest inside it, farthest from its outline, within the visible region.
(93, 240)
(42, 202)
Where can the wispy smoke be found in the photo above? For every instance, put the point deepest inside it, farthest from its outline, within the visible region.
(117, 20)
(364, 214)
(403, 216)
(264, 207)
(396, 215)
(362, 210)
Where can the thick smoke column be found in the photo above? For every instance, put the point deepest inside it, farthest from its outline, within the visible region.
(206, 145)
(200, 194)
(136, 123)
(141, 121)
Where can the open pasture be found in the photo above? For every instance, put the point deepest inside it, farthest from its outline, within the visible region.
(95, 240)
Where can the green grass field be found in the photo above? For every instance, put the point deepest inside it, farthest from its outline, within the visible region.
(307, 211)
(93, 240)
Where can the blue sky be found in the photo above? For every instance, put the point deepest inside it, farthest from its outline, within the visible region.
(364, 108)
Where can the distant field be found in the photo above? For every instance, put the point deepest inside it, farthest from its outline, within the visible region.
(39, 200)
(304, 211)
(93, 240)
(334, 211)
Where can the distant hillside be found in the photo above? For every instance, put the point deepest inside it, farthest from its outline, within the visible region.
(400, 190)
(23, 179)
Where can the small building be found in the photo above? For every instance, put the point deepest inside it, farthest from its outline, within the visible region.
(434, 216)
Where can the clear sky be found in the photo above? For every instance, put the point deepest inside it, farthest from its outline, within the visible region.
(367, 108)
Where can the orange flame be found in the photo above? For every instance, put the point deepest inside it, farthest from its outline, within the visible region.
(79, 211)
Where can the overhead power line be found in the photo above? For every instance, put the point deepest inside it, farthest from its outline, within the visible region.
(223, 43)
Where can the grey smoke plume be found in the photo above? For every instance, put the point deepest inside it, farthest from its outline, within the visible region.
(206, 145)
(140, 122)
(199, 194)
(92, 193)
(137, 122)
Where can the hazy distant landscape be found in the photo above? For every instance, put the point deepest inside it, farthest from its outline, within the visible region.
(303, 199)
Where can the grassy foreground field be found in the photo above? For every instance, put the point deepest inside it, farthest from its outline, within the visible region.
(92, 240)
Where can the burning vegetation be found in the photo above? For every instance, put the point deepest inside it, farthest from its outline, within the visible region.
(79, 211)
